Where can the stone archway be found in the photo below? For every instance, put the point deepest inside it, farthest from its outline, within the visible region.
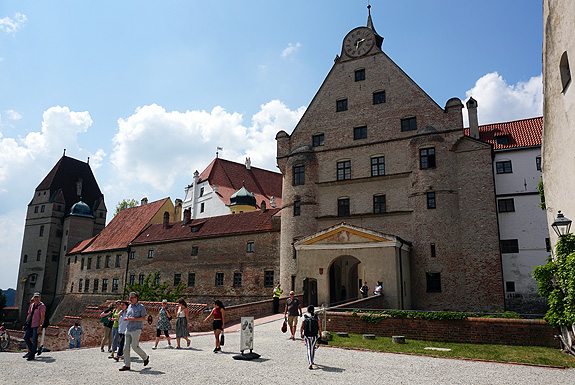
(343, 272)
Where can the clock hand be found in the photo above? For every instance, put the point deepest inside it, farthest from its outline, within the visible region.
(358, 43)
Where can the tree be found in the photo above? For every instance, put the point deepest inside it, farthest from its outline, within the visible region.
(556, 282)
(2, 304)
(125, 204)
(153, 290)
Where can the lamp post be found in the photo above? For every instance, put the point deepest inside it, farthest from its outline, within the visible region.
(561, 225)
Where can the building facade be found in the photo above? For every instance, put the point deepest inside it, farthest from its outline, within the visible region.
(558, 109)
(524, 238)
(381, 184)
(66, 208)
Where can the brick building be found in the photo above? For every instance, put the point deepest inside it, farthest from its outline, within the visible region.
(67, 207)
(381, 184)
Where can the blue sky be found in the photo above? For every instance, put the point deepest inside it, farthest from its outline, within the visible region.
(149, 89)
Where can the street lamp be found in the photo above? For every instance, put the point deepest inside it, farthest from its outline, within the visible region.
(561, 225)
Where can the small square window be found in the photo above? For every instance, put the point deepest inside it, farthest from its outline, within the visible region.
(177, 279)
(433, 282)
(360, 133)
(237, 279)
(379, 204)
(431, 200)
(195, 250)
(191, 279)
(409, 124)
(379, 97)
(427, 158)
(538, 163)
(343, 207)
(341, 105)
(504, 167)
(298, 175)
(509, 245)
(360, 75)
(377, 166)
(219, 279)
(510, 286)
(344, 170)
(269, 279)
(296, 208)
(317, 140)
(150, 253)
(36, 210)
(249, 247)
(506, 205)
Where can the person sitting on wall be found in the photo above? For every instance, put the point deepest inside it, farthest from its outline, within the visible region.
(75, 336)
(276, 298)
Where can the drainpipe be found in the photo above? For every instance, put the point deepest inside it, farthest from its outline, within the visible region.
(401, 276)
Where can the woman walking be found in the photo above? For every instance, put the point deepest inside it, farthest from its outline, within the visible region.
(182, 322)
(164, 324)
(310, 329)
(122, 328)
(108, 324)
(218, 312)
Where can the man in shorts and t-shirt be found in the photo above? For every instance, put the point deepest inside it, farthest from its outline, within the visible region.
(292, 311)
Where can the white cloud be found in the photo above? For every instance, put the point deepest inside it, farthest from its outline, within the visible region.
(156, 147)
(290, 49)
(12, 230)
(13, 115)
(499, 102)
(9, 25)
(97, 159)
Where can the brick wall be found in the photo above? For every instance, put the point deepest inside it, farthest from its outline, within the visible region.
(473, 330)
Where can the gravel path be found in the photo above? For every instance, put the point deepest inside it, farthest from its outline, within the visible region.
(283, 362)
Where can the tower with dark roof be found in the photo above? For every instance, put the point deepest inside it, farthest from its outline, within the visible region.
(67, 207)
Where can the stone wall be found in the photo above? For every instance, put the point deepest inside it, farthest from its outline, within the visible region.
(473, 330)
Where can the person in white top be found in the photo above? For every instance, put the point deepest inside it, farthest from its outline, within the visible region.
(122, 326)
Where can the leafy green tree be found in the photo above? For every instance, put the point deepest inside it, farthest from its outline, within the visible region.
(153, 290)
(556, 282)
(2, 304)
(125, 204)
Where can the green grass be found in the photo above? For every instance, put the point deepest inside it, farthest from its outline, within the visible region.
(525, 354)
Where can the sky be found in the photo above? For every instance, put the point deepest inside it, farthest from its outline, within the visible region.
(149, 89)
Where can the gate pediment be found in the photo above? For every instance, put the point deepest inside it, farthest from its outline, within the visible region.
(345, 234)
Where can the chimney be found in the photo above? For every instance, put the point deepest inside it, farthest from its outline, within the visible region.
(144, 201)
(196, 177)
(472, 113)
(166, 220)
(273, 202)
(263, 207)
(248, 164)
(178, 210)
(187, 216)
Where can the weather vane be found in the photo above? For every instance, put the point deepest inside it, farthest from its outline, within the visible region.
(218, 149)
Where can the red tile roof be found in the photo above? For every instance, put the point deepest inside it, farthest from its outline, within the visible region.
(124, 227)
(520, 133)
(81, 245)
(230, 177)
(253, 221)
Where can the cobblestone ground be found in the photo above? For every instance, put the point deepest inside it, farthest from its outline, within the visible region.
(282, 362)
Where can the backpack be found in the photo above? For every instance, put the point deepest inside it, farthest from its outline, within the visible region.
(310, 326)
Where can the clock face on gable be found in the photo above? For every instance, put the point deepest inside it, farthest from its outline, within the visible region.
(358, 42)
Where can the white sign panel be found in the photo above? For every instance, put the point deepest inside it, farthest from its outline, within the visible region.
(247, 334)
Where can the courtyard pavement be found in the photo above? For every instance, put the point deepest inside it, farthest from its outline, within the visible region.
(282, 361)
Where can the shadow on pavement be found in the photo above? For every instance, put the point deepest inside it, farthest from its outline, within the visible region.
(330, 369)
(150, 371)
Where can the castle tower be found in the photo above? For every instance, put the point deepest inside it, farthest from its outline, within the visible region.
(57, 218)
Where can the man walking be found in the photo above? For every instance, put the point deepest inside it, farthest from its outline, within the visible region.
(276, 298)
(135, 316)
(292, 310)
(34, 322)
(75, 336)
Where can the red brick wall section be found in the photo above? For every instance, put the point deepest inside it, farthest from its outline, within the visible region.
(473, 330)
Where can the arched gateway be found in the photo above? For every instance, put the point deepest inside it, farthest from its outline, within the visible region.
(346, 255)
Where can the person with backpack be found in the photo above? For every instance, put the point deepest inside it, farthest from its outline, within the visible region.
(107, 326)
(310, 332)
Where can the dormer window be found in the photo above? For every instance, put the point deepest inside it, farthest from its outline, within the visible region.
(502, 139)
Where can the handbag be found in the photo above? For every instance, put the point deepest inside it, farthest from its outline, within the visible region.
(222, 339)
(284, 326)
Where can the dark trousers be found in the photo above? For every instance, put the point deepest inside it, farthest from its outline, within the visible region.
(31, 339)
(276, 305)
(121, 344)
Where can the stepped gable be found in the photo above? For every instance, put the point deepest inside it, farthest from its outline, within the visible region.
(254, 221)
(124, 227)
(520, 133)
(64, 176)
(230, 177)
